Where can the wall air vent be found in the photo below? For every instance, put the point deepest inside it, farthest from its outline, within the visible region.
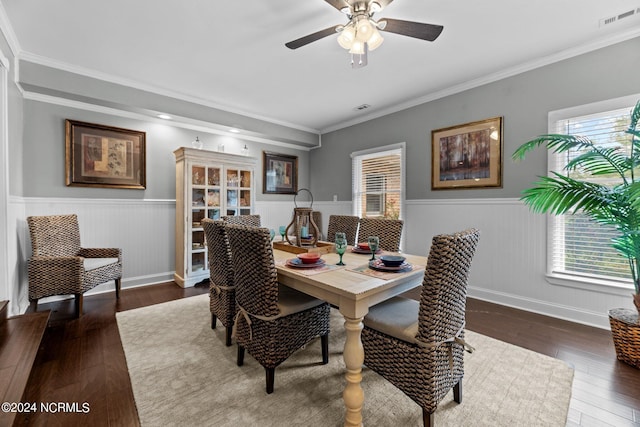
(615, 18)
(362, 107)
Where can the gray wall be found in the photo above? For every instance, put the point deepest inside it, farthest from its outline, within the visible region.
(523, 100)
(43, 145)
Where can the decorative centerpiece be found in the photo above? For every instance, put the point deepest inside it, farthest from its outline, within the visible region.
(305, 230)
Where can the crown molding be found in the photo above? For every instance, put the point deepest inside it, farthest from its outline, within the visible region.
(494, 77)
(98, 75)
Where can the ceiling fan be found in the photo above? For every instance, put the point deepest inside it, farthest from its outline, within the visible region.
(361, 34)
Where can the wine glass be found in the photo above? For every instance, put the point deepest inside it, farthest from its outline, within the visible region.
(341, 246)
(373, 241)
(282, 229)
(272, 233)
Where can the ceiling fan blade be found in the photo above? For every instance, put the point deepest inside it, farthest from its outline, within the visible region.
(311, 37)
(338, 4)
(383, 3)
(416, 30)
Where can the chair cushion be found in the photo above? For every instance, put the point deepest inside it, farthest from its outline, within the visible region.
(397, 317)
(291, 301)
(93, 263)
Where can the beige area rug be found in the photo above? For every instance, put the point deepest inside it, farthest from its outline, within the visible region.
(183, 375)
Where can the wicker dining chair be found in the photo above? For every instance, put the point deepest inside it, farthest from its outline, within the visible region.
(248, 220)
(347, 224)
(388, 230)
(273, 321)
(418, 346)
(222, 293)
(60, 266)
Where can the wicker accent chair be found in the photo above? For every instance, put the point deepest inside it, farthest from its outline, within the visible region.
(343, 223)
(248, 220)
(388, 230)
(273, 321)
(222, 292)
(60, 266)
(418, 346)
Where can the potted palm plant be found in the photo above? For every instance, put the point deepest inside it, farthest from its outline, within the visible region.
(615, 205)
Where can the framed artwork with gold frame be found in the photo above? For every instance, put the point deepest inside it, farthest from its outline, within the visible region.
(467, 156)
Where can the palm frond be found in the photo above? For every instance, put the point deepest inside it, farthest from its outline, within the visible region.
(555, 142)
(628, 244)
(635, 117)
(602, 162)
(559, 194)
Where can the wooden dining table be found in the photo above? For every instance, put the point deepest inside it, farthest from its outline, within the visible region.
(352, 288)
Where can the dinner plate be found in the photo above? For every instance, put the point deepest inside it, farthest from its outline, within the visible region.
(357, 250)
(378, 265)
(297, 263)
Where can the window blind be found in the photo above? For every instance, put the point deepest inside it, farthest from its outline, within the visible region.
(378, 184)
(579, 245)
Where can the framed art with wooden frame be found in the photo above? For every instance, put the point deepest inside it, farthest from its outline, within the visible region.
(467, 156)
(104, 156)
(279, 173)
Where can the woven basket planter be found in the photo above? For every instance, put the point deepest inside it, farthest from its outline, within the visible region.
(625, 329)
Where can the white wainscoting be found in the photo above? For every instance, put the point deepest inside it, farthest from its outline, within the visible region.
(144, 229)
(509, 266)
(510, 263)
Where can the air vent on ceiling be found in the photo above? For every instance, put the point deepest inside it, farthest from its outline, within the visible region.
(362, 107)
(615, 18)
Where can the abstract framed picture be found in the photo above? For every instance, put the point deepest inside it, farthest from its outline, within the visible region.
(467, 156)
(104, 156)
(280, 173)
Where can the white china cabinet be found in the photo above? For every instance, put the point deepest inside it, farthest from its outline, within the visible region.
(209, 184)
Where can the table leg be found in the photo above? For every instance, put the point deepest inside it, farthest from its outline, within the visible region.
(353, 359)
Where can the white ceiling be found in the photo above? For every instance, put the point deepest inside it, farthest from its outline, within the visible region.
(231, 54)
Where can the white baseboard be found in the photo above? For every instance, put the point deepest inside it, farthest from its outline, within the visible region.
(571, 314)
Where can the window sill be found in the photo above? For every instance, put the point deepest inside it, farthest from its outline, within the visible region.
(591, 284)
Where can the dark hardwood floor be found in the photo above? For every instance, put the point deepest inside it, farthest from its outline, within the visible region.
(81, 360)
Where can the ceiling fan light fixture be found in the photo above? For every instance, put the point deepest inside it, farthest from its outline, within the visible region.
(375, 40)
(364, 28)
(347, 36)
(374, 7)
(357, 47)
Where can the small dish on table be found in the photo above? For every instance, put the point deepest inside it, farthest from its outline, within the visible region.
(309, 257)
(392, 260)
(377, 264)
(298, 263)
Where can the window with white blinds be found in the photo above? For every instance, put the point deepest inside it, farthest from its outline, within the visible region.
(579, 246)
(378, 182)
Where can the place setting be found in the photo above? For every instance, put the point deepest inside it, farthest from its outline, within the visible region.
(385, 266)
(309, 263)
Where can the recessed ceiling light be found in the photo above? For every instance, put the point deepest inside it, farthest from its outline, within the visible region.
(234, 130)
(164, 116)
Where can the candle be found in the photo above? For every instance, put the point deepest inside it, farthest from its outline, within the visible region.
(304, 233)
